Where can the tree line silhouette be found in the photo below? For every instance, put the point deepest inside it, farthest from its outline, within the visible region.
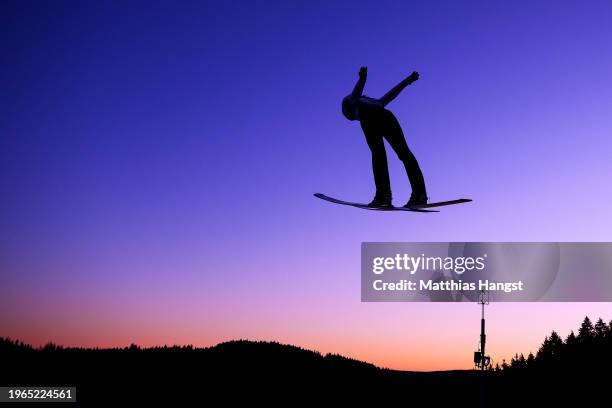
(238, 371)
(562, 369)
(576, 368)
(576, 352)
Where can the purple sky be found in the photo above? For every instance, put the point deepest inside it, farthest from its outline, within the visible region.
(158, 159)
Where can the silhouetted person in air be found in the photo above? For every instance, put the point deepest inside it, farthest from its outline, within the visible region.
(378, 123)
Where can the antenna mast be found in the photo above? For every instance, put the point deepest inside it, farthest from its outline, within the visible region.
(481, 360)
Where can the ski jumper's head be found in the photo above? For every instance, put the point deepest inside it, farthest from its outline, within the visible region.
(349, 107)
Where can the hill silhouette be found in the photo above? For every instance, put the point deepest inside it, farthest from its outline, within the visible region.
(254, 371)
(270, 372)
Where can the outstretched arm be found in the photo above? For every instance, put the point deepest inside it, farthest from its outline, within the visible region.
(358, 90)
(392, 94)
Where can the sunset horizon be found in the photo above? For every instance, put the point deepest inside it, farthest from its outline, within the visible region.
(159, 164)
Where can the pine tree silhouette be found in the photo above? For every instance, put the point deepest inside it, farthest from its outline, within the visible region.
(587, 331)
(571, 339)
(601, 329)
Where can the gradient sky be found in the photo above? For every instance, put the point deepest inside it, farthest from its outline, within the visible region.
(158, 159)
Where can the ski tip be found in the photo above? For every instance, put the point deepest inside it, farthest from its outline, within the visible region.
(443, 203)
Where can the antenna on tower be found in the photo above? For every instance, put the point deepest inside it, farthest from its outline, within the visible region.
(481, 360)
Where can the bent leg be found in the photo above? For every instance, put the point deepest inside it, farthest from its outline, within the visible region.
(376, 144)
(395, 137)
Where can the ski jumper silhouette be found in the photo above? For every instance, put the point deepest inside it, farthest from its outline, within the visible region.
(378, 123)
